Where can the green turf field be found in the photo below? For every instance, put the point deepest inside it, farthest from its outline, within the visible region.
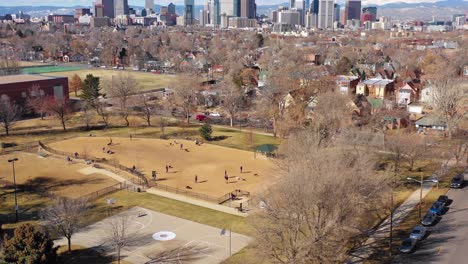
(48, 69)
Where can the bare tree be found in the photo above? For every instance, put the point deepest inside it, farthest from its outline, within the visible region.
(312, 214)
(9, 67)
(121, 88)
(232, 98)
(86, 114)
(148, 109)
(447, 97)
(9, 114)
(60, 109)
(65, 216)
(119, 234)
(36, 100)
(185, 96)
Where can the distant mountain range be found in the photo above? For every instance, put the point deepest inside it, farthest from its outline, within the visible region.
(400, 10)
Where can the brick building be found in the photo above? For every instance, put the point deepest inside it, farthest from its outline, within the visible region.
(17, 88)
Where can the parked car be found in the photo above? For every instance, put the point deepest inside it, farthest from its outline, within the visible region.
(437, 208)
(458, 181)
(215, 114)
(429, 219)
(408, 245)
(418, 233)
(443, 199)
(201, 118)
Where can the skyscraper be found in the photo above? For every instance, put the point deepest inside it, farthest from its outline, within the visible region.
(106, 8)
(325, 14)
(121, 7)
(292, 4)
(314, 7)
(171, 8)
(188, 14)
(336, 13)
(248, 8)
(149, 4)
(353, 9)
(215, 13)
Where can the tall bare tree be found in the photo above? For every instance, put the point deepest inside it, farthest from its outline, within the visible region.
(232, 98)
(119, 235)
(36, 101)
(311, 215)
(185, 94)
(65, 216)
(148, 109)
(9, 114)
(60, 109)
(8, 66)
(447, 97)
(121, 88)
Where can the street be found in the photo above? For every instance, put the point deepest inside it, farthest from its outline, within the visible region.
(447, 242)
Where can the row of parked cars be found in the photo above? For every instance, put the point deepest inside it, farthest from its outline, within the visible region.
(431, 218)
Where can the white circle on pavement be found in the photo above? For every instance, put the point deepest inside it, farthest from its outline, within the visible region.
(164, 236)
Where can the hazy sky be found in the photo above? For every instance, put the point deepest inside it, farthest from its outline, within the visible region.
(165, 2)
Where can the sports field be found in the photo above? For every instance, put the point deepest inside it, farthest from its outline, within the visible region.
(57, 176)
(146, 80)
(164, 238)
(208, 162)
(49, 69)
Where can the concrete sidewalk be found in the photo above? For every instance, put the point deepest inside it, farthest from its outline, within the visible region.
(185, 199)
(399, 214)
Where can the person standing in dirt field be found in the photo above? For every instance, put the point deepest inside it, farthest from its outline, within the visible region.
(196, 178)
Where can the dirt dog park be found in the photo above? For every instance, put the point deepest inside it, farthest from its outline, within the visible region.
(202, 168)
(54, 175)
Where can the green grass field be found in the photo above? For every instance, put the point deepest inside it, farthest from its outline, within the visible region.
(146, 80)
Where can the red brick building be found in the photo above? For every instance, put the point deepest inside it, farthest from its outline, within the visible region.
(17, 88)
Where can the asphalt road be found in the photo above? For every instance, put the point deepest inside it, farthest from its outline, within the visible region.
(447, 242)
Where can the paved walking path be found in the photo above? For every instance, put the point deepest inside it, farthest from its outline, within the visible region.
(185, 199)
(399, 214)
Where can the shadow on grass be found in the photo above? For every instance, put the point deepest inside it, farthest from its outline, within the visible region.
(219, 138)
(84, 256)
(42, 184)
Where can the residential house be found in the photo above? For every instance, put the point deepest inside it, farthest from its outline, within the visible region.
(431, 122)
(427, 95)
(407, 93)
(376, 88)
(347, 84)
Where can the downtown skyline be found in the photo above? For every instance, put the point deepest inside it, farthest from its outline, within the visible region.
(66, 3)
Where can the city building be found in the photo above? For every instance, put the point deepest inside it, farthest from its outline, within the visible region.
(369, 13)
(353, 9)
(325, 14)
(336, 13)
(61, 18)
(149, 4)
(248, 9)
(171, 8)
(242, 22)
(289, 17)
(189, 12)
(121, 8)
(81, 12)
(230, 7)
(17, 88)
(106, 8)
(215, 13)
(96, 22)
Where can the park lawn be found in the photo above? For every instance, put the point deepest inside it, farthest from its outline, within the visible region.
(146, 80)
(126, 200)
(29, 204)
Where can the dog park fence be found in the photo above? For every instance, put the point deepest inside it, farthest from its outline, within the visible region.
(140, 177)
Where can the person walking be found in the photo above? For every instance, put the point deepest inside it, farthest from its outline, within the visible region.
(181, 146)
(154, 175)
(226, 177)
(196, 178)
(241, 169)
(167, 169)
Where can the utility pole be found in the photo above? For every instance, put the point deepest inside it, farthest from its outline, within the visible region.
(12, 161)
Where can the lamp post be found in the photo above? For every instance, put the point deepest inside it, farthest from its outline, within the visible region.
(12, 161)
(420, 189)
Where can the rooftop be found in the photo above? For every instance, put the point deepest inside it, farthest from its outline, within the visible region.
(376, 81)
(23, 78)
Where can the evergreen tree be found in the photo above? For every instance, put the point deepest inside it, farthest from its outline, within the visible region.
(91, 90)
(29, 245)
(205, 131)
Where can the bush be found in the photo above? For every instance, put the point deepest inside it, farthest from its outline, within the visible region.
(205, 131)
